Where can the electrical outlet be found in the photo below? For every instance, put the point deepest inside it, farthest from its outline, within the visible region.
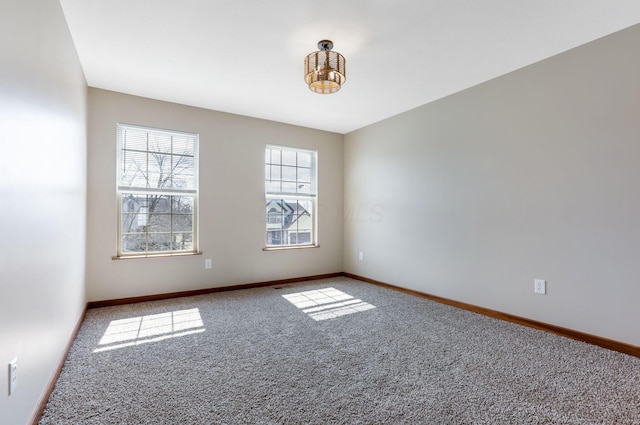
(207, 263)
(540, 286)
(13, 375)
(361, 255)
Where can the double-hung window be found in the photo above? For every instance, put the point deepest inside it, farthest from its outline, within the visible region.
(157, 191)
(290, 192)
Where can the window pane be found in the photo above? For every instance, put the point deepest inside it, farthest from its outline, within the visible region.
(132, 223)
(276, 172)
(288, 157)
(304, 237)
(133, 203)
(183, 145)
(274, 206)
(160, 163)
(303, 222)
(304, 206)
(274, 214)
(135, 139)
(159, 223)
(134, 169)
(275, 220)
(159, 241)
(292, 207)
(272, 172)
(134, 160)
(276, 156)
(159, 142)
(181, 223)
(289, 187)
(304, 189)
(134, 243)
(184, 181)
(289, 174)
(159, 204)
(274, 238)
(182, 164)
(183, 241)
(182, 204)
(304, 175)
(136, 180)
(272, 187)
(304, 159)
(183, 172)
(156, 181)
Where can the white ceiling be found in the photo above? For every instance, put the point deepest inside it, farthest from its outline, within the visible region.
(246, 57)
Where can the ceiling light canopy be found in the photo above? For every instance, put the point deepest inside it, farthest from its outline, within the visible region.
(324, 70)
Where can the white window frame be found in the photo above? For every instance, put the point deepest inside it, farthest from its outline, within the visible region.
(312, 197)
(170, 191)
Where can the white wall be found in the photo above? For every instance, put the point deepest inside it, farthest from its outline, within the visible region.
(532, 175)
(43, 194)
(231, 201)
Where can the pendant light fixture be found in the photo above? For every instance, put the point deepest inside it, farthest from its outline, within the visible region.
(324, 70)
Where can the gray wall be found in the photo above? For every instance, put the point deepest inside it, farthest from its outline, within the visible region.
(43, 194)
(535, 174)
(232, 210)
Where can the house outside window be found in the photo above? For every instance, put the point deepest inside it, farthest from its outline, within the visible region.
(291, 196)
(157, 191)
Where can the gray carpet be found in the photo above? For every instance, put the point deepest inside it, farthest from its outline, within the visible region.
(353, 354)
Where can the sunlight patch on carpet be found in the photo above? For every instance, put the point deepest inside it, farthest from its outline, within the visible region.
(152, 328)
(327, 303)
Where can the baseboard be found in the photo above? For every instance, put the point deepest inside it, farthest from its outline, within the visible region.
(622, 347)
(35, 418)
(156, 297)
(610, 344)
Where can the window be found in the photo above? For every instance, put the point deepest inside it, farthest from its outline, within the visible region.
(157, 191)
(290, 191)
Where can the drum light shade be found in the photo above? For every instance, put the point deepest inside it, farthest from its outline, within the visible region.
(324, 70)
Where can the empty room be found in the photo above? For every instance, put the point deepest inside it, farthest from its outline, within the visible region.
(292, 212)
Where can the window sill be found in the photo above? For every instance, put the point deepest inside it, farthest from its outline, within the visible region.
(287, 247)
(172, 254)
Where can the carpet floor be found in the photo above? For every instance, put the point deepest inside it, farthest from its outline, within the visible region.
(331, 351)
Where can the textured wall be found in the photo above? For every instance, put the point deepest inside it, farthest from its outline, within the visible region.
(43, 197)
(231, 201)
(532, 175)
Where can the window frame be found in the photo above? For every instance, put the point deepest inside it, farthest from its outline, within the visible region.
(311, 197)
(122, 189)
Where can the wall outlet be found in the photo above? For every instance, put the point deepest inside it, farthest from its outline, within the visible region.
(540, 286)
(207, 263)
(13, 375)
(361, 255)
